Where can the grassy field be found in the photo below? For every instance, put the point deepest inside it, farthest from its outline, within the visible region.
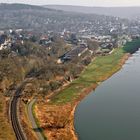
(99, 70)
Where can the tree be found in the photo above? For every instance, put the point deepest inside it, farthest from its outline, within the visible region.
(4, 53)
(33, 38)
(92, 45)
(86, 61)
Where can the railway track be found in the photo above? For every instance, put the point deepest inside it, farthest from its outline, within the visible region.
(14, 114)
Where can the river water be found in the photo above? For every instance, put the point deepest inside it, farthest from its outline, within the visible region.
(112, 111)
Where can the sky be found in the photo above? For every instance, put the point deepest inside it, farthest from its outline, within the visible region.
(78, 2)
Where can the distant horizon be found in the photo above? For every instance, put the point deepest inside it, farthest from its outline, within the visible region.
(92, 6)
(96, 6)
(85, 3)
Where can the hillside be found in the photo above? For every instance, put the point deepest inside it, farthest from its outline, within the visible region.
(40, 19)
(23, 16)
(125, 12)
(4, 6)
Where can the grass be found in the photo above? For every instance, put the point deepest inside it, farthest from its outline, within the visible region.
(99, 70)
(37, 122)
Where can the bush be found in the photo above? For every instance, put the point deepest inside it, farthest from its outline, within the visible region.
(86, 61)
(54, 85)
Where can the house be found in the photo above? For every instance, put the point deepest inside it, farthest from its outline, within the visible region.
(45, 41)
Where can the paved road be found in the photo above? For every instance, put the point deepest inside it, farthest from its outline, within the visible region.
(33, 122)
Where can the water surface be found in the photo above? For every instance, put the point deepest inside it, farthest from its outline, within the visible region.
(112, 111)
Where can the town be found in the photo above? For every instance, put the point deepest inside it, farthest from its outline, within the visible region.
(75, 30)
(78, 44)
(51, 59)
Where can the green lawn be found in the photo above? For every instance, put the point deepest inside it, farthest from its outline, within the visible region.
(101, 68)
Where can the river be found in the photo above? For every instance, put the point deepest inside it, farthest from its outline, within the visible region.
(112, 111)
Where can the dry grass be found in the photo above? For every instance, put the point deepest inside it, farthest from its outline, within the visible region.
(6, 131)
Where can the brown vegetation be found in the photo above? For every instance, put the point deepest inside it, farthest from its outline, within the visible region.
(57, 120)
(6, 132)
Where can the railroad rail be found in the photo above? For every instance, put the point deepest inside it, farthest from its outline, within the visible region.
(14, 114)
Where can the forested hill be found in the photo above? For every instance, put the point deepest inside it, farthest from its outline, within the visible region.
(25, 16)
(45, 19)
(4, 6)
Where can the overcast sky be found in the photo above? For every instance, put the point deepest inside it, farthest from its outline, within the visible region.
(78, 2)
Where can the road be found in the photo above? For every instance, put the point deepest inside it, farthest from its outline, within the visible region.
(14, 113)
(32, 119)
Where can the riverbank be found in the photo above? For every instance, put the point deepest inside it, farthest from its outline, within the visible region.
(57, 116)
(112, 110)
